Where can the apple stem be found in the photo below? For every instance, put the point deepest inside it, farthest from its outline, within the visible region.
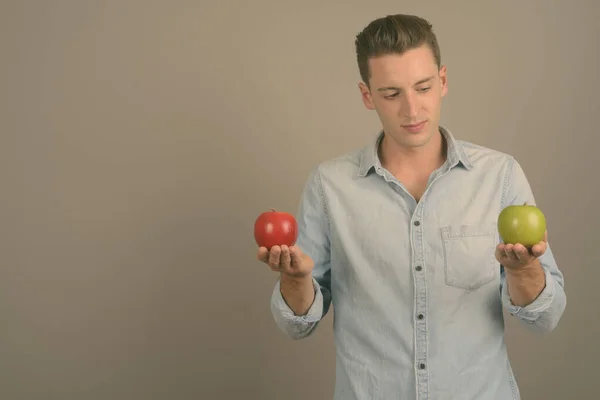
(271, 209)
(525, 203)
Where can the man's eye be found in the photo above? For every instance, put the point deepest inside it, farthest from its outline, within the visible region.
(422, 90)
(391, 96)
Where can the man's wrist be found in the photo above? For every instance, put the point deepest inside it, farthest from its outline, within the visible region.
(529, 271)
(526, 283)
(298, 292)
(295, 281)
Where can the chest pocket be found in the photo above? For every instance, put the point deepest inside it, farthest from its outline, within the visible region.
(469, 255)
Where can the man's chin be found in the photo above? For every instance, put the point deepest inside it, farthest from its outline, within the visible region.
(410, 140)
(414, 139)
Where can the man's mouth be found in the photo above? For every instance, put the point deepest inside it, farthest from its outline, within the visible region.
(414, 127)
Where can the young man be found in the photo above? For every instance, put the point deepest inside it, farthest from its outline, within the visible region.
(401, 238)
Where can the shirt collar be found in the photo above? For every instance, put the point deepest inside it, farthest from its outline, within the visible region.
(456, 154)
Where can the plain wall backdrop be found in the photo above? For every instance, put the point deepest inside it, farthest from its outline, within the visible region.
(139, 140)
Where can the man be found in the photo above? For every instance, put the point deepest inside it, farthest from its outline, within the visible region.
(401, 238)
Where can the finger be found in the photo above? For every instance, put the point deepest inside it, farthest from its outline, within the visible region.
(285, 257)
(536, 252)
(274, 256)
(295, 256)
(521, 253)
(539, 249)
(275, 268)
(262, 254)
(510, 252)
(500, 252)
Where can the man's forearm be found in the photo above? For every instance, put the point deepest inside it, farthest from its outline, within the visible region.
(298, 293)
(526, 283)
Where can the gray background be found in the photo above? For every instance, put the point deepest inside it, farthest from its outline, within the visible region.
(139, 140)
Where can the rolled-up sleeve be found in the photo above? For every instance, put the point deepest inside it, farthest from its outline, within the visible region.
(296, 326)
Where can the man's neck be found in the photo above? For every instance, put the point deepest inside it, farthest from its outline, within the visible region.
(424, 160)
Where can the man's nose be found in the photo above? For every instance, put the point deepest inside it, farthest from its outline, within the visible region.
(411, 106)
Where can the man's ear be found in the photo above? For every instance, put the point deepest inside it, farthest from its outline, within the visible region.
(444, 80)
(366, 96)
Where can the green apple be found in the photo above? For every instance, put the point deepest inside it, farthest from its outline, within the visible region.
(523, 224)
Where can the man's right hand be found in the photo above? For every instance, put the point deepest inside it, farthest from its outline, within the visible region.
(295, 267)
(290, 261)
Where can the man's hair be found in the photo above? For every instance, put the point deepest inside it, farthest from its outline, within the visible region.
(393, 34)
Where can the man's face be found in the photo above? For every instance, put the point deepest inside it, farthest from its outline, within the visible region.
(406, 92)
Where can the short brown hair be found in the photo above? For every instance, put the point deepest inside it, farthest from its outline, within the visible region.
(393, 34)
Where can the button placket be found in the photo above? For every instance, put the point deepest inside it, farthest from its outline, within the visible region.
(420, 281)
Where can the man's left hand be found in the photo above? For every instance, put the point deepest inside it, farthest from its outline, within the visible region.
(516, 256)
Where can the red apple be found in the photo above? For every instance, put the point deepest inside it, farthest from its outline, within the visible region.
(275, 228)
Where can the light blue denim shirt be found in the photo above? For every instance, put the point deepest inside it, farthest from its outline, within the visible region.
(416, 290)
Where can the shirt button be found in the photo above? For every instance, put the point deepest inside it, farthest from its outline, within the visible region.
(417, 223)
(418, 268)
(420, 316)
(422, 366)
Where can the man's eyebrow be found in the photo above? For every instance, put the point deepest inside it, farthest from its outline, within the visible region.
(383, 89)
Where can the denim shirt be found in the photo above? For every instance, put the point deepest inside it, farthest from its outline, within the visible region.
(416, 290)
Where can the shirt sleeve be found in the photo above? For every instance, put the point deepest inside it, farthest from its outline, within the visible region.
(544, 313)
(314, 240)
(296, 326)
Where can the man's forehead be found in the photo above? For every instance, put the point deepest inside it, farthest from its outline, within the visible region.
(390, 71)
